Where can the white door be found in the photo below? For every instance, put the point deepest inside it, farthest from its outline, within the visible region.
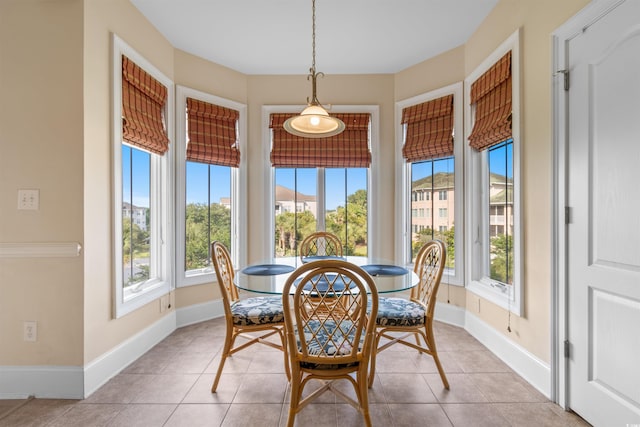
(603, 241)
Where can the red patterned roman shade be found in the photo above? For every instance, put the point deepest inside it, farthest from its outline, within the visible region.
(349, 149)
(143, 100)
(491, 93)
(429, 130)
(212, 134)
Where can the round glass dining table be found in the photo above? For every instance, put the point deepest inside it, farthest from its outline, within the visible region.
(270, 277)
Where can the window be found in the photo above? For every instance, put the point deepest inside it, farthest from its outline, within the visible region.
(209, 173)
(432, 174)
(500, 194)
(136, 231)
(329, 191)
(493, 179)
(142, 159)
(432, 153)
(342, 211)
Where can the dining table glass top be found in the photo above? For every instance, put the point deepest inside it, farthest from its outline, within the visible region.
(270, 277)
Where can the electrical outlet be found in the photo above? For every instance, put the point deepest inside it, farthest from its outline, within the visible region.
(30, 330)
(29, 200)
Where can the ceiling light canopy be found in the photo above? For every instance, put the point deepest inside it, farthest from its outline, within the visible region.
(314, 121)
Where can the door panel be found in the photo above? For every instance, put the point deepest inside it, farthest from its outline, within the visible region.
(604, 235)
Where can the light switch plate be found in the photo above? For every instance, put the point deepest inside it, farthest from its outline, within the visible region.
(29, 200)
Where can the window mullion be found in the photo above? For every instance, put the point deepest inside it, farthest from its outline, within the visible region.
(321, 203)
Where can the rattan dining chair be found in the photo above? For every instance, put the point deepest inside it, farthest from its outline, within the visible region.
(254, 319)
(329, 333)
(320, 244)
(399, 318)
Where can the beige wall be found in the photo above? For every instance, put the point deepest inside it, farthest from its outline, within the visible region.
(41, 147)
(432, 74)
(65, 84)
(537, 20)
(102, 332)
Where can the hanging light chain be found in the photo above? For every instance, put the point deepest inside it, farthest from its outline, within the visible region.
(312, 71)
(313, 36)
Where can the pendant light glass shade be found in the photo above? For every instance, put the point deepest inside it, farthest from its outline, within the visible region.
(314, 121)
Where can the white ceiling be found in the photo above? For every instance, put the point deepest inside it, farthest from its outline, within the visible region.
(352, 36)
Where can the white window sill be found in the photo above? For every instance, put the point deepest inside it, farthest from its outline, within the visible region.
(133, 300)
(198, 277)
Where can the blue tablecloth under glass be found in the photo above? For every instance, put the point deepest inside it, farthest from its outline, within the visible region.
(270, 277)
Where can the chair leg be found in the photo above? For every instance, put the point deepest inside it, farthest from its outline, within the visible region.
(287, 369)
(296, 392)
(228, 343)
(418, 339)
(374, 354)
(363, 396)
(431, 343)
(440, 370)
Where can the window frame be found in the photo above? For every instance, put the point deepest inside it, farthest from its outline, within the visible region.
(238, 188)
(373, 188)
(477, 176)
(161, 193)
(403, 183)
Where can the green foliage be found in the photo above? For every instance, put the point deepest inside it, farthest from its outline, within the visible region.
(286, 237)
(135, 245)
(448, 237)
(350, 224)
(501, 264)
(203, 225)
(135, 241)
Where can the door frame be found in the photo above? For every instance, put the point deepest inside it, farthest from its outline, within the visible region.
(559, 109)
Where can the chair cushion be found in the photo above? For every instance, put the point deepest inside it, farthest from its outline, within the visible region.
(257, 311)
(327, 337)
(399, 312)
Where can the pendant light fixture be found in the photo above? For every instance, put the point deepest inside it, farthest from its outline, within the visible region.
(314, 121)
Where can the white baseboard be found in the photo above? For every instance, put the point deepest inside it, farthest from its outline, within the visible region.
(450, 314)
(60, 382)
(69, 382)
(533, 370)
(199, 312)
(103, 368)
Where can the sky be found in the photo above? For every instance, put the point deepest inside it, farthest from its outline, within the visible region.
(216, 180)
(339, 182)
(138, 181)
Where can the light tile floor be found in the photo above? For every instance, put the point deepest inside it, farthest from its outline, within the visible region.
(170, 386)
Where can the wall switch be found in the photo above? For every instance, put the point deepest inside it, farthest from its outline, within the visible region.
(29, 200)
(30, 330)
